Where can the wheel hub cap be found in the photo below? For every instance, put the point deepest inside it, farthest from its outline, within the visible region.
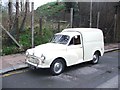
(95, 59)
(57, 67)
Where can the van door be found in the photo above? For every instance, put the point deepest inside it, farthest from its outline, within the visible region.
(75, 50)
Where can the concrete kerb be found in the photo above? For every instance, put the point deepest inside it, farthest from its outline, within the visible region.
(24, 66)
(14, 68)
(110, 50)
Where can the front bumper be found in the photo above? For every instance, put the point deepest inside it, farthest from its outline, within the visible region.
(32, 65)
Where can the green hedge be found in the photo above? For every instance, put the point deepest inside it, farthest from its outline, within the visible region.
(25, 41)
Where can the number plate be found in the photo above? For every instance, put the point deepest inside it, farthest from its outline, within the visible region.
(32, 67)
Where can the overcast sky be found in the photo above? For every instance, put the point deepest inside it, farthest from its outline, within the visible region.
(37, 3)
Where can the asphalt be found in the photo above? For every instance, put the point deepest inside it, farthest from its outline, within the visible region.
(84, 75)
(15, 62)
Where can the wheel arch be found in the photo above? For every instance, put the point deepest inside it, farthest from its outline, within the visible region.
(98, 52)
(61, 59)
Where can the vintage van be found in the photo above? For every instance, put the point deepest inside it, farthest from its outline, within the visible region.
(69, 47)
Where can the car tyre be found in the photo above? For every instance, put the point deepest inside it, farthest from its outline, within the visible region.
(95, 58)
(57, 67)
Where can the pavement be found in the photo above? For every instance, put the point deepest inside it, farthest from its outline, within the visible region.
(14, 62)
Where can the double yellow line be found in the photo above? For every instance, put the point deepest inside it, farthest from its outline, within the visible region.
(13, 73)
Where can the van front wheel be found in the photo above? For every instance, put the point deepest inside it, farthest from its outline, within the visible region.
(95, 58)
(57, 67)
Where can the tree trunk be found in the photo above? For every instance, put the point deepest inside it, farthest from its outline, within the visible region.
(8, 40)
(10, 14)
(24, 19)
(21, 3)
(27, 6)
(17, 20)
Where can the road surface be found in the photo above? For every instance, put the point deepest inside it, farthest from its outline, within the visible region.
(85, 75)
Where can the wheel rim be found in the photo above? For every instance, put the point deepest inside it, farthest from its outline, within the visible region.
(95, 58)
(58, 67)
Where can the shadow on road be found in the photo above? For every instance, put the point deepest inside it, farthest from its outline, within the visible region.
(46, 72)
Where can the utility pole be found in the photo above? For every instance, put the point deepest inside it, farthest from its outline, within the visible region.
(32, 22)
(91, 14)
(71, 17)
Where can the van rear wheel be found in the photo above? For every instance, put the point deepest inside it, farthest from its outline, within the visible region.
(95, 58)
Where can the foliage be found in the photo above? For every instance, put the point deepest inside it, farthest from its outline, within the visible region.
(55, 12)
(25, 40)
(9, 50)
(50, 9)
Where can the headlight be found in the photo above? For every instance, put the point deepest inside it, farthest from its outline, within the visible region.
(42, 58)
(27, 53)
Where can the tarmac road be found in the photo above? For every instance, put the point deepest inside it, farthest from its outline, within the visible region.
(85, 75)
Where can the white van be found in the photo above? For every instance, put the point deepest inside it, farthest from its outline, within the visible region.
(69, 47)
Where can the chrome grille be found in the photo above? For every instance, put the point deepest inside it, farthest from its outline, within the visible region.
(33, 59)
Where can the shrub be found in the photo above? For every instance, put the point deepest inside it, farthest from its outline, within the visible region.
(25, 40)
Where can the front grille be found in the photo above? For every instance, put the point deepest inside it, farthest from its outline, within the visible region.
(33, 59)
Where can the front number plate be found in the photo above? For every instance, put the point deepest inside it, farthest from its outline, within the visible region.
(30, 66)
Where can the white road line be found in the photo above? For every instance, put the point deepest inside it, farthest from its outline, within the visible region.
(112, 83)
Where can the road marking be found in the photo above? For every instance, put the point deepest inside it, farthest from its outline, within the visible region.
(12, 73)
(112, 83)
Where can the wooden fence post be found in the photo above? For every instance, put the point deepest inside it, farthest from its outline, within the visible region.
(91, 14)
(32, 22)
(1, 33)
(71, 17)
(58, 26)
(98, 19)
(40, 24)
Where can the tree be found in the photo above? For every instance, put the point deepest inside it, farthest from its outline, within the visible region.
(17, 20)
(69, 5)
(10, 14)
(25, 15)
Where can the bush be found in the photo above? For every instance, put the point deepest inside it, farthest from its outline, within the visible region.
(10, 50)
(25, 40)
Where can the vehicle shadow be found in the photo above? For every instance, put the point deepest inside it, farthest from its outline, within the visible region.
(46, 72)
(78, 66)
(39, 72)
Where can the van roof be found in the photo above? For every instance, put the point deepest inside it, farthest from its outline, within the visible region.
(77, 31)
(82, 30)
(69, 33)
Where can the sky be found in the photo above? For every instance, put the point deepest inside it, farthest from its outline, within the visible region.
(37, 3)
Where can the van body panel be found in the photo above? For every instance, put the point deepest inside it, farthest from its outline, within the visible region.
(90, 40)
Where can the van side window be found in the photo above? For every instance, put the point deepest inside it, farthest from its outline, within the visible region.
(75, 40)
